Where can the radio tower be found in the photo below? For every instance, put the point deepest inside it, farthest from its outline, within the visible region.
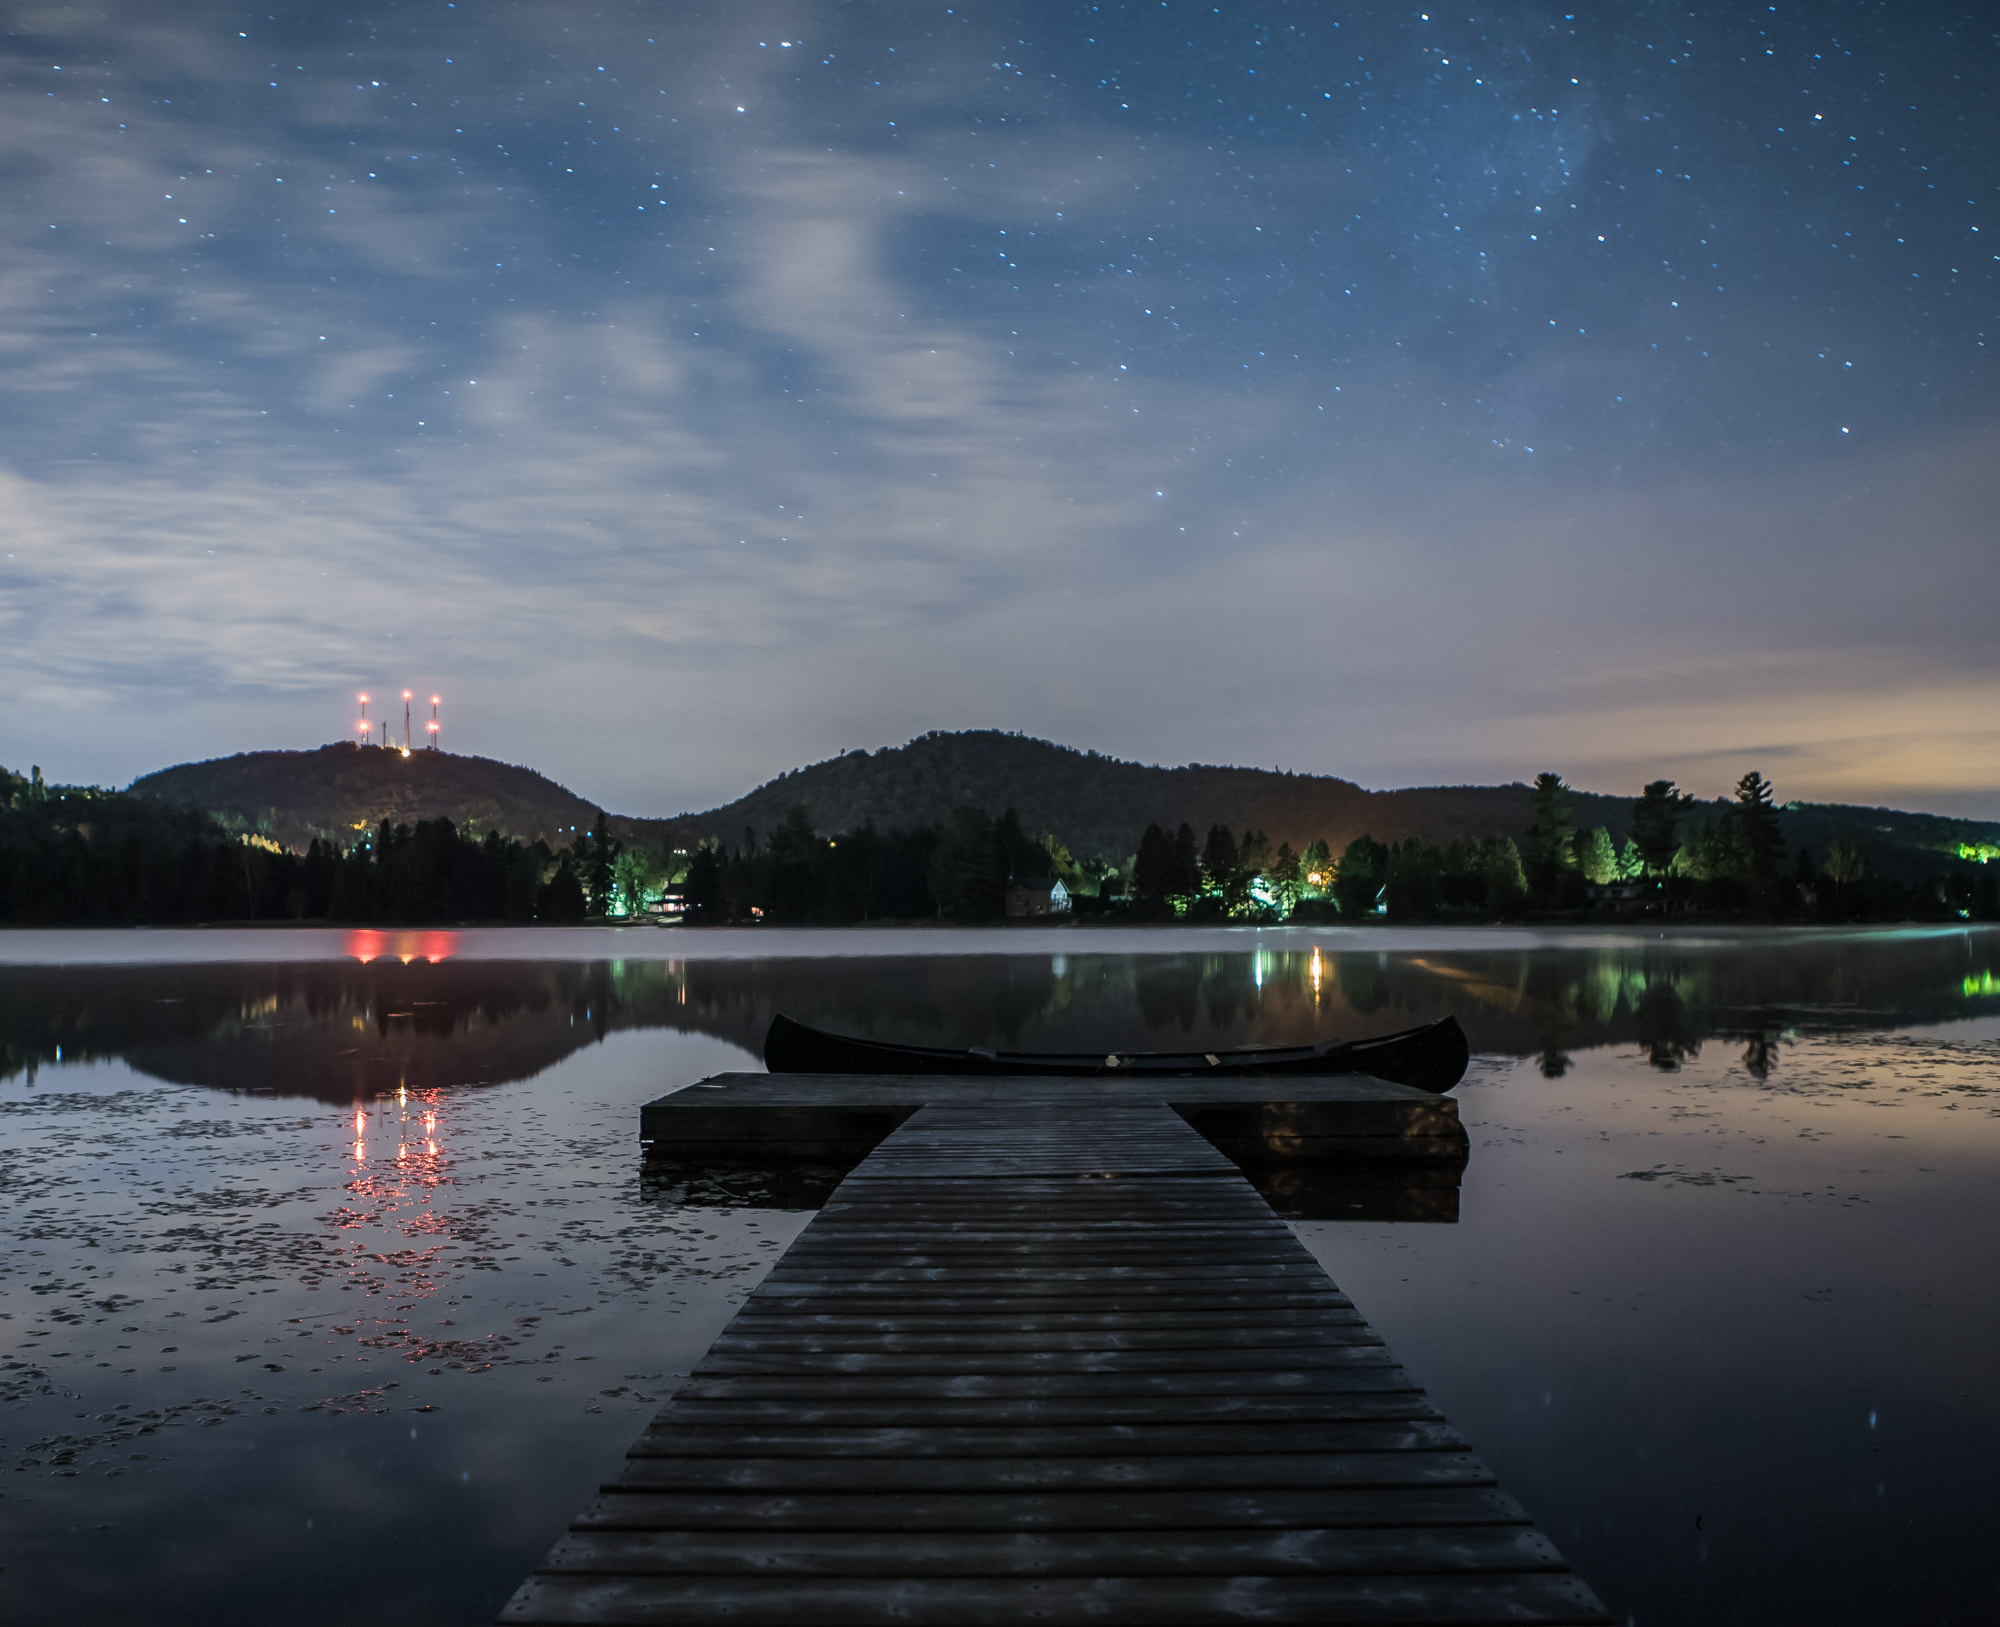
(364, 727)
(406, 723)
(434, 723)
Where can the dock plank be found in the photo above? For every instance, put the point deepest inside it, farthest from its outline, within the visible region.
(1117, 1601)
(1042, 1359)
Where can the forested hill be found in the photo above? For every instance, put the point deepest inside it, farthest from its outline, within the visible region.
(1099, 806)
(339, 790)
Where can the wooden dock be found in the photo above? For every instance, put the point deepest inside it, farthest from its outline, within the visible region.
(766, 1117)
(1050, 1361)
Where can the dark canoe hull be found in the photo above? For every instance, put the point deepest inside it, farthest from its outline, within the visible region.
(1432, 1058)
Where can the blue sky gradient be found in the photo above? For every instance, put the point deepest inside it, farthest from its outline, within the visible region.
(688, 392)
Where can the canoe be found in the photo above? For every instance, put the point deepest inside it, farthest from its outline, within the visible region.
(1431, 1058)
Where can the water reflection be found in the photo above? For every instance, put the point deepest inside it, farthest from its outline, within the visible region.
(1727, 1251)
(404, 1013)
(366, 944)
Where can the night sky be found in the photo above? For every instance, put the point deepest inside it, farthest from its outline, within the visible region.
(690, 392)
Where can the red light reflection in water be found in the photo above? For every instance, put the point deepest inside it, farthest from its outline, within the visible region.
(365, 945)
(398, 1222)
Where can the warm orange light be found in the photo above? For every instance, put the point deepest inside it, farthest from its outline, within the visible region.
(364, 700)
(406, 694)
(360, 1121)
(432, 726)
(434, 700)
(365, 946)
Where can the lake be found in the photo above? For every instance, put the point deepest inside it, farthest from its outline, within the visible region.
(333, 1284)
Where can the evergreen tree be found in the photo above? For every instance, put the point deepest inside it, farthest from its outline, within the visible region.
(1184, 877)
(562, 900)
(1283, 877)
(702, 891)
(1654, 817)
(1360, 876)
(1631, 863)
(1153, 873)
(1316, 869)
(1754, 830)
(592, 869)
(1548, 847)
(1506, 881)
(965, 869)
(1221, 874)
(1596, 857)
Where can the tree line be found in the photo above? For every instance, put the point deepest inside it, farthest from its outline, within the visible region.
(79, 855)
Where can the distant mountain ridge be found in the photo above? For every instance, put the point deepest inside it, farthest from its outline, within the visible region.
(1099, 806)
(335, 792)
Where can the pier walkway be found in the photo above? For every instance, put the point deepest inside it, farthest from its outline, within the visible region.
(1051, 1362)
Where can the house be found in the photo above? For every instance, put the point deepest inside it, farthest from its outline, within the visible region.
(1037, 898)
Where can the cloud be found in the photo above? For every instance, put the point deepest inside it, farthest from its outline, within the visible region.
(892, 403)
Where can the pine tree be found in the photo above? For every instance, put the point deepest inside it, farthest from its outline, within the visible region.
(1548, 851)
(1219, 868)
(1654, 817)
(1758, 839)
(1152, 872)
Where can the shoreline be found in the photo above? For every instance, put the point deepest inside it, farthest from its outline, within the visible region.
(296, 943)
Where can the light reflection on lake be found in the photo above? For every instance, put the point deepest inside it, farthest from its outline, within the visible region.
(311, 1257)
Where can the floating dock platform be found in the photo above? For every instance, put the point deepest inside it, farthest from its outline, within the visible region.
(842, 1117)
(1044, 1358)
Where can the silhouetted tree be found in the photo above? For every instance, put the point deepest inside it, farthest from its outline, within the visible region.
(1754, 829)
(1654, 817)
(1548, 851)
(965, 869)
(1360, 876)
(595, 857)
(1221, 873)
(1184, 872)
(1153, 874)
(562, 900)
(702, 891)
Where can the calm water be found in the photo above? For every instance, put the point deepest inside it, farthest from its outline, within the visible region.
(331, 1286)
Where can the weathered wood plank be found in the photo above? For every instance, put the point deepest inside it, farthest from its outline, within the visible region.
(1397, 1398)
(1111, 1601)
(1366, 1368)
(1370, 1456)
(1421, 1550)
(1101, 1510)
(1259, 1346)
(1417, 1428)
(785, 1277)
(1044, 1361)
(1364, 1349)
(1332, 1311)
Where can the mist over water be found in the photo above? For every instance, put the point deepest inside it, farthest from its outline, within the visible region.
(340, 1270)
